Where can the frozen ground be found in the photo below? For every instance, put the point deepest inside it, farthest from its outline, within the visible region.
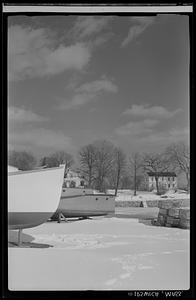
(128, 195)
(99, 254)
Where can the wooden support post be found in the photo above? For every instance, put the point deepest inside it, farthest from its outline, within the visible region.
(59, 218)
(20, 237)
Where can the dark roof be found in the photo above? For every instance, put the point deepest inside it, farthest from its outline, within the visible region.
(164, 174)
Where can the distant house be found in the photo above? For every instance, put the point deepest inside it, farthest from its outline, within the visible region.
(73, 179)
(166, 179)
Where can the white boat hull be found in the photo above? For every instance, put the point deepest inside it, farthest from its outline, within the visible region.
(83, 203)
(33, 196)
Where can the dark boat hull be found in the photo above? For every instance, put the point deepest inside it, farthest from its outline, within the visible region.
(20, 220)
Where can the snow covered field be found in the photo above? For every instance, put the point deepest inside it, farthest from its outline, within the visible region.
(99, 254)
(128, 195)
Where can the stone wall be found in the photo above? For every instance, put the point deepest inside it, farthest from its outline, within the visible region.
(128, 203)
(137, 203)
(150, 203)
(173, 213)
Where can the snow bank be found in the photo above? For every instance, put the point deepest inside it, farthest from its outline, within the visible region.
(126, 198)
(99, 254)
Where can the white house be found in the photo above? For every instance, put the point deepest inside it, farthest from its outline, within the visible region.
(73, 179)
(166, 179)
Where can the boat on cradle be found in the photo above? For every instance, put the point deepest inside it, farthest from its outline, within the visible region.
(33, 196)
(81, 202)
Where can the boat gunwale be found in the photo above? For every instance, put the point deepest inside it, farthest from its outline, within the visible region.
(20, 172)
(83, 195)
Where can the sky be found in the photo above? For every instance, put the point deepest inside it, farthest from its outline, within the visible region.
(74, 79)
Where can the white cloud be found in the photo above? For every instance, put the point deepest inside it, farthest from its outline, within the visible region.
(138, 25)
(100, 40)
(137, 128)
(97, 86)
(86, 26)
(166, 137)
(152, 140)
(21, 115)
(150, 112)
(32, 138)
(88, 92)
(32, 53)
(94, 31)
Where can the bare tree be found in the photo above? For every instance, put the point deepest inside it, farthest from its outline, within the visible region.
(22, 160)
(119, 166)
(63, 157)
(156, 163)
(87, 158)
(58, 158)
(179, 156)
(104, 163)
(49, 161)
(101, 161)
(126, 181)
(136, 164)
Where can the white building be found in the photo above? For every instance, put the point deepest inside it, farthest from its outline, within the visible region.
(166, 179)
(73, 179)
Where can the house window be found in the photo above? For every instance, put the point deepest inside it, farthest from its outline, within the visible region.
(162, 178)
(169, 185)
(168, 178)
(173, 178)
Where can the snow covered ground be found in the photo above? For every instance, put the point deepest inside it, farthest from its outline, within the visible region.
(128, 195)
(101, 253)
